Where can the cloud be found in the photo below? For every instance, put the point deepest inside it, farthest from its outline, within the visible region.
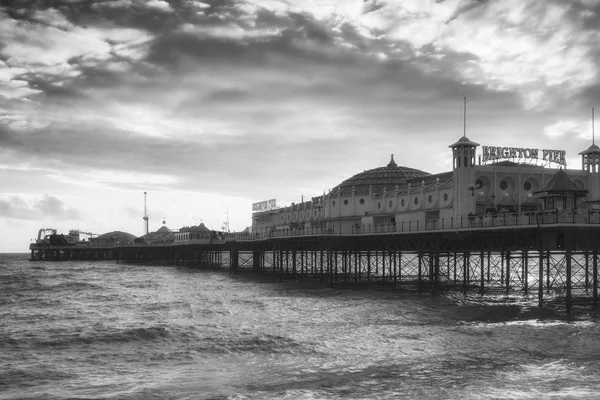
(542, 51)
(16, 208)
(159, 5)
(47, 47)
(112, 4)
(51, 206)
(570, 129)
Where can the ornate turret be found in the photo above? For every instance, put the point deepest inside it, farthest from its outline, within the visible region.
(590, 162)
(463, 176)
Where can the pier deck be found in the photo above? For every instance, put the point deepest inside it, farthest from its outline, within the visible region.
(543, 263)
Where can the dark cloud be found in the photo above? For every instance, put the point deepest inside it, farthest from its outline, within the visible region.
(465, 7)
(590, 97)
(583, 12)
(227, 95)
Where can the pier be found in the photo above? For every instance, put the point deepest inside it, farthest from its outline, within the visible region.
(551, 263)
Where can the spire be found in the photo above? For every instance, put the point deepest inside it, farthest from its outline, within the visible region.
(392, 162)
(465, 119)
(593, 149)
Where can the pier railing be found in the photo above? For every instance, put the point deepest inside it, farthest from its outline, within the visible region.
(491, 221)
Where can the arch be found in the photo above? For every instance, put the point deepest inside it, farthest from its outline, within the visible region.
(483, 186)
(506, 185)
(390, 205)
(579, 183)
(505, 199)
(403, 203)
(531, 185)
(430, 200)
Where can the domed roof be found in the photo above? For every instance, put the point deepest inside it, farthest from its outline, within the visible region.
(389, 177)
(593, 149)
(117, 236)
(464, 141)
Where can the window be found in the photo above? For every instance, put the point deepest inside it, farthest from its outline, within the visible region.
(390, 204)
(416, 201)
(346, 202)
(527, 185)
(503, 184)
(333, 203)
(402, 202)
(429, 199)
(478, 183)
(445, 196)
(379, 205)
(362, 201)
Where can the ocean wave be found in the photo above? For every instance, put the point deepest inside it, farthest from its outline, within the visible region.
(270, 344)
(72, 287)
(33, 375)
(142, 334)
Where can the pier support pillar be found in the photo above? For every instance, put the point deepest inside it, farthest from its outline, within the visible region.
(482, 273)
(526, 273)
(595, 278)
(541, 279)
(508, 258)
(569, 300)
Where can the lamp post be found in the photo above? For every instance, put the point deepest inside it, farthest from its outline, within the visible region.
(472, 188)
(319, 207)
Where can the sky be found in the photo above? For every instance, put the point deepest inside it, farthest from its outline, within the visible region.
(209, 106)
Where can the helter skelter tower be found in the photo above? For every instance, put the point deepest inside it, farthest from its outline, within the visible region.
(146, 218)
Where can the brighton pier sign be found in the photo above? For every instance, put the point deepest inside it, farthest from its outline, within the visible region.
(494, 153)
(266, 205)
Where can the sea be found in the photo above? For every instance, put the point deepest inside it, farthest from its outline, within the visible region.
(102, 330)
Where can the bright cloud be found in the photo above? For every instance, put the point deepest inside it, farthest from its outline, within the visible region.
(159, 5)
(570, 129)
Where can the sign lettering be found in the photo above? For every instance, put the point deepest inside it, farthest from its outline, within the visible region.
(494, 153)
(264, 205)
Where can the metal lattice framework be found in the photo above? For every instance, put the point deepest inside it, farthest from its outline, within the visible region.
(552, 263)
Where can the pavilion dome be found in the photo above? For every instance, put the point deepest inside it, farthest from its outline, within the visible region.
(116, 236)
(389, 177)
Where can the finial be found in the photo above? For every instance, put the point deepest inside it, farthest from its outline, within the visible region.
(392, 162)
(593, 134)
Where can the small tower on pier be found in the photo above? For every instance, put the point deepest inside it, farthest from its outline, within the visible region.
(463, 172)
(590, 162)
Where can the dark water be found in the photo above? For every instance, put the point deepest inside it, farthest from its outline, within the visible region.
(100, 330)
